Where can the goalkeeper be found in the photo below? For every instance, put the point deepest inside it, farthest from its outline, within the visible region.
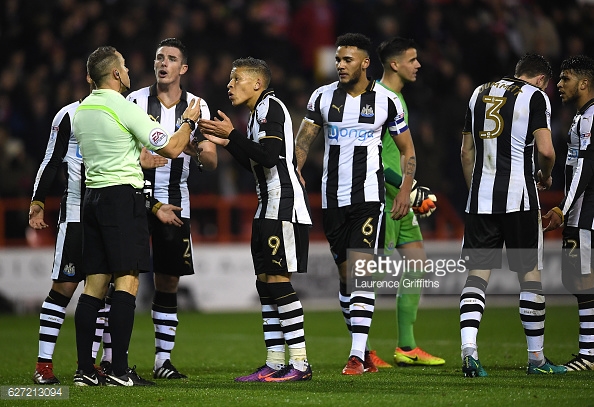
(399, 59)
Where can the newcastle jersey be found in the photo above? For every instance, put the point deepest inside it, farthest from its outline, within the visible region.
(353, 129)
(169, 183)
(578, 204)
(62, 150)
(502, 117)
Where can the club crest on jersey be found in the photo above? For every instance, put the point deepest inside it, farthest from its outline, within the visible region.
(69, 269)
(158, 137)
(367, 111)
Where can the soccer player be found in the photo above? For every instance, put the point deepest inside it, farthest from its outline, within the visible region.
(280, 229)
(166, 101)
(62, 151)
(576, 87)
(400, 65)
(504, 120)
(111, 132)
(354, 112)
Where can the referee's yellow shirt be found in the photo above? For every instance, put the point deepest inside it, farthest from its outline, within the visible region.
(111, 131)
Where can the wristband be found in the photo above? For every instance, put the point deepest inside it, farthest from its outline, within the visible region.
(190, 122)
(559, 212)
(41, 205)
(156, 208)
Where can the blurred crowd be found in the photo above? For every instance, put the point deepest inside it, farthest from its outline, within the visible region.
(462, 43)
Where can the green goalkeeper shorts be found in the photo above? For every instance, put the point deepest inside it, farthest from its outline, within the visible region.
(403, 231)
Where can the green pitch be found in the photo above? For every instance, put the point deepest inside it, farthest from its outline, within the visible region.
(212, 349)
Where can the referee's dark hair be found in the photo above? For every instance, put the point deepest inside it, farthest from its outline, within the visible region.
(174, 42)
(257, 65)
(355, 40)
(582, 66)
(533, 65)
(100, 62)
(393, 48)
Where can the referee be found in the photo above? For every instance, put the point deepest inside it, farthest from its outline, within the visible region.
(111, 132)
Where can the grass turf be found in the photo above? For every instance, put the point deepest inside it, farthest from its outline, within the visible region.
(212, 349)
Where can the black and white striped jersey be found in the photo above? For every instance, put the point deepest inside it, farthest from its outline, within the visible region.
(578, 204)
(281, 195)
(62, 150)
(353, 129)
(502, 117)
(169, 182)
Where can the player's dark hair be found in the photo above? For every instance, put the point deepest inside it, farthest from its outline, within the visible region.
(174, 42)
(533, 65)
(355, 40)
(100, 62)
(393, 48)
(257, 65)
(581, 65)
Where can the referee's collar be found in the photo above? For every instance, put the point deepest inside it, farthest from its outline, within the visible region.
(369, 88)
(153, 92)
(267, 92)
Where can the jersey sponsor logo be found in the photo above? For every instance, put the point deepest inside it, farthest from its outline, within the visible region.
(158, 137)
(69, 269)
(337, 107)
(360, 134)
(78, 153)
(367, 111)
(156, 119)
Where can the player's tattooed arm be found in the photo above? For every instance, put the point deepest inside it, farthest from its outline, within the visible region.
(411, 166)
(307, 133)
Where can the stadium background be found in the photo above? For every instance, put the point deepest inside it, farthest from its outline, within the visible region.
(462, 43)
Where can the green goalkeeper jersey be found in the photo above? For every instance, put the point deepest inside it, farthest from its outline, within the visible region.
(391, 155)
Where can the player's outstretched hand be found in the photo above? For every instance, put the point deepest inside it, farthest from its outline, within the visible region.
(149, 161)
(167, 215)
(217, 128)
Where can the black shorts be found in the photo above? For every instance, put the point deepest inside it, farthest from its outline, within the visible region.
(68, 254)
(115, 230)
(486, 234)
(577, 251)
(172, 247)
(353, 227)
(279, 247)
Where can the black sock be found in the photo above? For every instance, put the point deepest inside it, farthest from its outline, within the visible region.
(121, 321)
(85, 318)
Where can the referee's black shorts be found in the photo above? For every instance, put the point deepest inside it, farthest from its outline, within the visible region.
(486, 234)
(115, 230)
